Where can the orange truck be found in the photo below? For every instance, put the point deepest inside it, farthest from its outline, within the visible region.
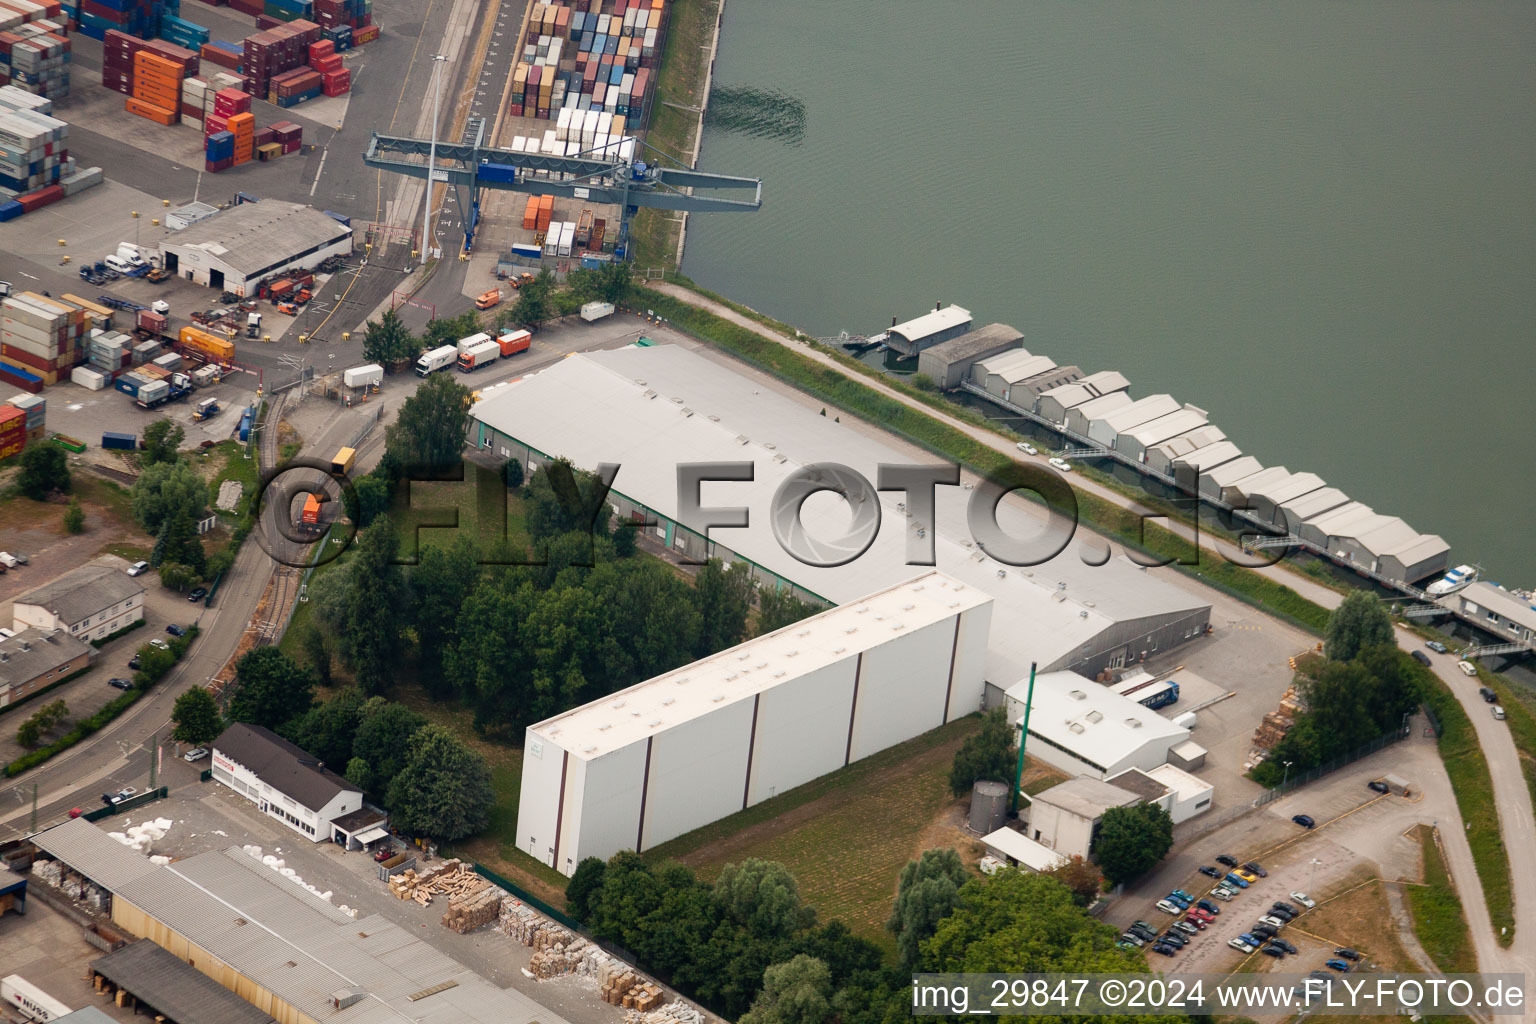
(311, 513)
(210, 347)
(513, 342)
(489, 300)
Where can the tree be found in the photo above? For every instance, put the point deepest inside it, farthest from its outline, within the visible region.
(74, 517)
(1358, 622)
(197, 717)
(383, 735)
(796, 992)
(162, 441)
(440, 582)
(329, 730)
(387, 340)
(165, 490)
(614, 282)
(30, 732)
(533, 302)
(1085, 880)
(375, 603)
(317, 653)
(988, 754)
(178, 577)
(723, 595)
(429, 431)
(779, 607)
(584, 887)
(1132, 840)
(763, 897)
(512, 473)
(449, 329)
(178, 542)
(270, 689)
(926, 893)
(43, 471)
(1019, 921)
(359, 775)
(563, 499)
(444, 790)
(923, 382)
(369, 499)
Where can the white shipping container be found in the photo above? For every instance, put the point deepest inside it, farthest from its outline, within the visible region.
(563, 124)
(363, 376)
(605, 124)
(25, 997)
(465, 344)
(567, 238)
(88, 378)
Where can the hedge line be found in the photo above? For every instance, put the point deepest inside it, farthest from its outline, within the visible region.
(135, 624)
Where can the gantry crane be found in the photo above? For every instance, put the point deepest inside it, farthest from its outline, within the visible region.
(606, 176)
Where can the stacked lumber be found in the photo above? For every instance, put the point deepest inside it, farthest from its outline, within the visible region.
(1278, 722)
(452, 878)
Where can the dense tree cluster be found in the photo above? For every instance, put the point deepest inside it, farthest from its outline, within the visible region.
(988, 754)
(1131, 840)
(44, 470)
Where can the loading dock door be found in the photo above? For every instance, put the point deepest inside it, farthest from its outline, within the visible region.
(216, 280)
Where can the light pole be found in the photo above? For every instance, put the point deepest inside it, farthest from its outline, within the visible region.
(426, 213)
(1312, 878)
(1287, 774)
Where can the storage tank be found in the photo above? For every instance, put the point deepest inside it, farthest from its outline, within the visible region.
(989, 806)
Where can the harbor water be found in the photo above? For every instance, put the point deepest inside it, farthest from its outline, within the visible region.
(1316, 221)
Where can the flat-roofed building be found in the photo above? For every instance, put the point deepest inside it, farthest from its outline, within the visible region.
(929, 330)
(1066, 817)
(948, 363)
(1087, 729)
(1106, 429)
(1188, 796)
(689, 747)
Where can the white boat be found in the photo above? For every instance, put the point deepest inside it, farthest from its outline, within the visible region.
(1457, 579)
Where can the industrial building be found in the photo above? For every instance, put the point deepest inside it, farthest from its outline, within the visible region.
(1265, 500)
(1105, 430)
(1215, 480)
(1133, 443)
(1084, 728)
(1236, 493)
(291, 954)
(1066, 817)
(1500, 611)
(253, 242)
(651, 409)
(1018, 377)
(185, 216)
(929, 330)
(1161, 457)
(90, 603)
(948, 363)
(287, 783)
(694, 745)
(1054, 403)
(1187, 796)
(1292, 512)
(1079, 416)
(168, 988)
(34, 659)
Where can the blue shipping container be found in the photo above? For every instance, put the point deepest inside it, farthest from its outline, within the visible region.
(112, 439)
(343, 218)
(10, 211)
(505, 173)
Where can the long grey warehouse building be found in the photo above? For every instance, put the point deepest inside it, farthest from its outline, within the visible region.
(948, 363)
(694, 745)
(651, 409)
(255, 241)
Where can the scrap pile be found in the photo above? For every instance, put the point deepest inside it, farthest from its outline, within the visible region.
(452, 878)
(631, 991)
(676, 1012)
(1275, 725)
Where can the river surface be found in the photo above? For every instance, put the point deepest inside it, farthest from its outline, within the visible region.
(1317, 221)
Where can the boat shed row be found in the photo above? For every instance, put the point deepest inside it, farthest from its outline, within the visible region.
(1177, 441)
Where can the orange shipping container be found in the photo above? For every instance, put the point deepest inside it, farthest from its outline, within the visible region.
(531, 214)
(157, 114)
(239, 123)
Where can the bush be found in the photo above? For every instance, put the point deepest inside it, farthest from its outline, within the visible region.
(98, 644)
(74, 517)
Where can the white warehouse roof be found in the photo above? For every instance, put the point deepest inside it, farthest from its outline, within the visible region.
(1090, 720)
(1140, 411)
(659, 703)
(1017, 846)
(1164, 427)
(650, 409)
(1105, 381)
(1279, 492)
(1209, 457)
(1017, 365)
(932, 323)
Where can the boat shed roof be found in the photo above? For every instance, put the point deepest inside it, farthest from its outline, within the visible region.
(1229, 473)
(930, 323)
(967, 346)
(1017, 365)
(1164, 427)
(1210, 456)
(1314, 503)
(1279, 492)
(1140, 411)
(1388, 537)
(1095, 408)
(1342, 518)
(1105, 381)
(1269, 476)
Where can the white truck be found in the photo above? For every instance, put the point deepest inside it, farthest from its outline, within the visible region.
(26, 998)
(596, 311)
(465, 344)
(478, 355)
(435, 360)
(131, 254)
(370, 375)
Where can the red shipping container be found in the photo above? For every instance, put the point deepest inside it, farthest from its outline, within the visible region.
(223, 58)
(264, 136)
(325, 64)
(231, 101)
(266, 21)
(42, 197)
(215, 166)
(364, 34)
(324, 48)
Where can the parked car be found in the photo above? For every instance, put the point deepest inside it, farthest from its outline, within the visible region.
(1223, 893)
(1181, 894)
(1498, 712)
(1248, 876)
(1062, 464)
(1467, 668)
(133, 662)
(197, 594)
(124, 794)
(1304, 820)
(1125, 942)
(1342, 966)
(1273, 921)
(1256, 868)
(1164, 949)
(120, 684)
(1251, 939)
(1233, 878)
(1199, 924)
(1282, 944)
(1173, 938)
(1347, 953)
(1304, 899)
(1179, 901)
(1239, 944)
(1026, 448)
(1187, 928)
(1206, 869)
(138, 569)
(1277, 953)
(1227, 859)
(195, 754)
(1282, 905)
(1489, 697)
(1145, 924)
(1199, 914)
(1377, 786)
(1169, 908)
(1436, 646)
(1144, 934)
(1208, 907)
(157, 642)
(1421, 658)
(1284, 915)
(1263, 931)
(176, 630)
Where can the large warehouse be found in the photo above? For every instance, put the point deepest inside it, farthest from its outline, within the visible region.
(253, 242)
(294, 956)
(650, 410)
(949, 362)
(1085, 728)
(679, 751)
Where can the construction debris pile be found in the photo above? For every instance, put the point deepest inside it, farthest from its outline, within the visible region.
(473, 902)
(676, 1012)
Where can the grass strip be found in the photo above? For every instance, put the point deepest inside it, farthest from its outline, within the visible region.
(1437, 915)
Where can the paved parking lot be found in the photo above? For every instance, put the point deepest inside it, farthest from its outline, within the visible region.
(46, 949)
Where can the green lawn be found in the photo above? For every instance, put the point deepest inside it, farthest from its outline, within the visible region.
(1437, 915)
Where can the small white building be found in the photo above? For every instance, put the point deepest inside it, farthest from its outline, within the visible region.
(89, 603)
(1087, 729)
(184, 217)
(1160, 457)
(1497, 610)
(1066, 817)
(689, 747)
(285, 782)
(930, 329)
(1015, 849)
(1187, 795)
(254, 242)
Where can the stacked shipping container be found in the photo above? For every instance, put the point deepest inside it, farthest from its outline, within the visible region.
(135, 17)
(588, 60)
(156, 87)
(13, 430)
(42, 336)
(36, 410)
(35, 165)
(34, 51)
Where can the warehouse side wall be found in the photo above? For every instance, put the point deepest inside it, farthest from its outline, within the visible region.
(539, 795)
(698, 772)
(967, 690)
(612, 787)
(802, 730)
(903, 687)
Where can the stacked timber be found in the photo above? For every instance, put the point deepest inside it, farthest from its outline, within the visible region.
(1278, 722)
